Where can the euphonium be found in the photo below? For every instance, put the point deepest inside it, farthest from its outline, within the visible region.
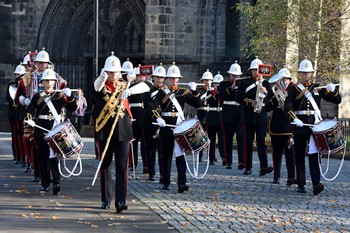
(279, 87)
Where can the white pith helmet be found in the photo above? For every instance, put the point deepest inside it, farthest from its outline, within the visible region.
(26, 59)
(128, 66)
(159, 71)
(207, 75)
(112, 64)
(173, 72)
(43, 56)
(255, 63)
(218, 78)
(49, 74)
(282, 73)
(235, 69)
(20, 69)
(305, 66)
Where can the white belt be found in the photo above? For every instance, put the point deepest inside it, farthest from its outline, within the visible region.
(203, 108)
(231, 103)
(46, 117)
(136, 105)
(305, 112)
(214, 109)
(170, 114)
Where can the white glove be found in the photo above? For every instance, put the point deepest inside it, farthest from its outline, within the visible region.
(161, 122)
(331, 87)
(30, 123)
(126, 93)
(21, 100)
(192, 85)
(100, 81)
(26, 101)
(67, 91)
(298, 122)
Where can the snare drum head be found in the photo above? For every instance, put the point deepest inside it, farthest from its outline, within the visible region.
(185, 125)
(57, 128)
(324, 125)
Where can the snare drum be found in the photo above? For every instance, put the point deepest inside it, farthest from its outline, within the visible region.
(190, 136)
(64, 140)
(328, 136)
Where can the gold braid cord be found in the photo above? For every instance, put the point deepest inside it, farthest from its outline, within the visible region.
(108, 109)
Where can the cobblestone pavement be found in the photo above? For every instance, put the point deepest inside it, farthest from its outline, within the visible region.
(227, 201)
(223, 201)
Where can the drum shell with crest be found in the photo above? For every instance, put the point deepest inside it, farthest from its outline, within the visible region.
(64, 140)
(190, 136)
(328, 136)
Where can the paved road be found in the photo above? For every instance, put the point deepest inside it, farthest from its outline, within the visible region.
(223, 201)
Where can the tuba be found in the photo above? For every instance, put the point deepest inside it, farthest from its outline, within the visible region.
(279, 87)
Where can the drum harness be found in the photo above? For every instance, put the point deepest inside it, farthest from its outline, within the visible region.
(58, 120)
(318, 119)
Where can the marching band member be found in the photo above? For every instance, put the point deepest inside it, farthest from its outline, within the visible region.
(114, 129)
(46, 108)
(212, 119)
(232, 115)
(167, 108)
(254, 122)
(28, 86)
(12, 115)
(112, 114)
(150, 132)
(206, 79)
(279, 126)
(302, 106)
(137, 107)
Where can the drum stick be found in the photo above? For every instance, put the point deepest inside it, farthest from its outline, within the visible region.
(198, 84)
(316, 88)
(173, 126)
(40, 127)
(70, 89)
(304, 124)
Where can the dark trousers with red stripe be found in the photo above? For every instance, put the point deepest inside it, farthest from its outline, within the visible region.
(300, 144)
(213, 131)
(120, 151)
(229, 131)
(152, 145)
(260, 132)
(279, 144)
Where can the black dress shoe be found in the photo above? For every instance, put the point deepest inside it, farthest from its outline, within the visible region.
(106, 205)
(17, 162)
(121, 206)
(165, 187)
(182, 188)
(56, 189)
(211, 163)
(247, 172)
(36, 179)
(161, 180)
(28, 169)
(151, 178)
(276, 181)
(44, 190)
(229, 166)
(301, 189)
(291, 181)
(318, 188)
(223, 162)
(265, 170)
(215, 160)
(240, 166)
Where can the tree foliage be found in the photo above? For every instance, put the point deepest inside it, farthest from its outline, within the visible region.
(314, 24)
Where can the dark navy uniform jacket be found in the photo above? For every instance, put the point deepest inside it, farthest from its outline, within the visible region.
(246, 98)
(296, 101)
